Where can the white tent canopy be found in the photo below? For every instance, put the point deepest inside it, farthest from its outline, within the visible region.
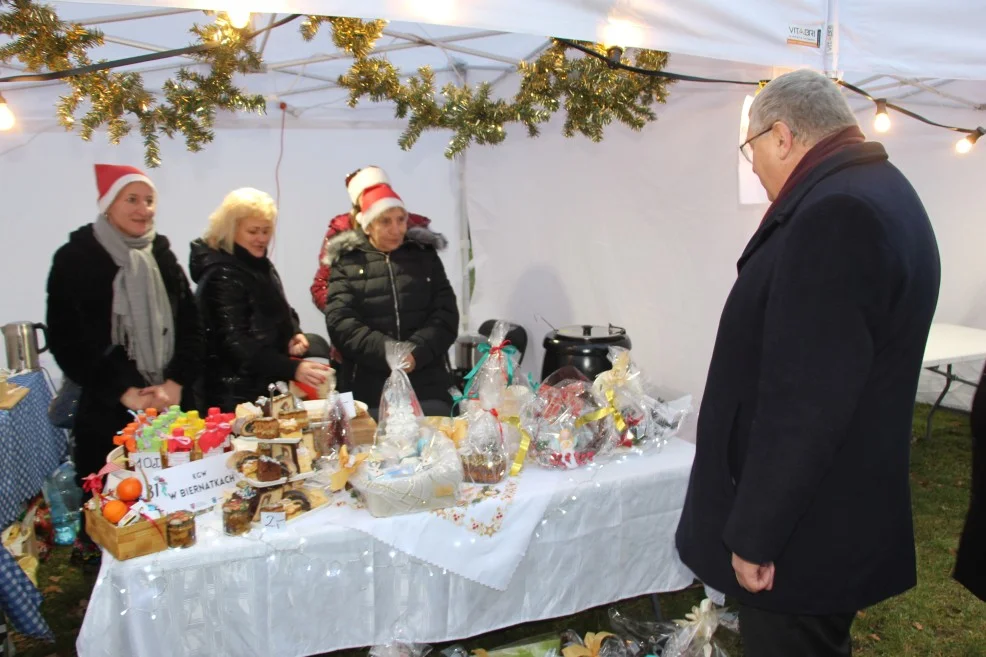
(910, 37)
(642, 230)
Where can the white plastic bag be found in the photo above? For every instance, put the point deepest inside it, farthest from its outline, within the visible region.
(400, 410)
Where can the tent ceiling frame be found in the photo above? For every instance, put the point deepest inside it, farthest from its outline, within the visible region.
(315, 59)
(438, 43)
(922, 85)
(132, 16)
(409, 40)
(917, 86)
(447, 43)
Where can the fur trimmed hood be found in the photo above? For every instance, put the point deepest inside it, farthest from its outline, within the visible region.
(350, 240)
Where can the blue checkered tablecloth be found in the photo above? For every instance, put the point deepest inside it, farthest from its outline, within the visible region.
(30, 449)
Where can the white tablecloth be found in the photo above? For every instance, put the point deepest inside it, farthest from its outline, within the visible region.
(607, 535)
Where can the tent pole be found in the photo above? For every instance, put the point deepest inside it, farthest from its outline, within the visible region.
(464, 239)
(831, 53)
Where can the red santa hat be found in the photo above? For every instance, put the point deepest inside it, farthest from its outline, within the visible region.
(377, 200)
(366, 177)
(112, 178)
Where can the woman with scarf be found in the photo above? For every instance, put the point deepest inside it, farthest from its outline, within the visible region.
(121, 317)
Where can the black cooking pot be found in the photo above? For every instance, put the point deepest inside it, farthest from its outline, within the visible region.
(585, 347)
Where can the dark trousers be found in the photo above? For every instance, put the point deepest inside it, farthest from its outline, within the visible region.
(772, 634)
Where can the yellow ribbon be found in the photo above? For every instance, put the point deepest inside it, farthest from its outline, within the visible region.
(593, 642)
(346, 469)
(525, 443)
(621, 424)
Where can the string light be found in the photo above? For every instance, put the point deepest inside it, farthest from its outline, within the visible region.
(965, 144)
(7, 119)
(619, 33)
(881, 122)
(238, 18)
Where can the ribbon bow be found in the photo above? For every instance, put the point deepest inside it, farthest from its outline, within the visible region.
(347, 466)
(525, 443)
(488, 350)
(593, 642)
(93, 484)
(610, 409)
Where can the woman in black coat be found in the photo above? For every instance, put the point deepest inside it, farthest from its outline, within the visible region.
(970, 566)
(388, 283)
(252, 332)
(121, 317)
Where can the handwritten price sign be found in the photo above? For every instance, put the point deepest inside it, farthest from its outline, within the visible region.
(273, 520)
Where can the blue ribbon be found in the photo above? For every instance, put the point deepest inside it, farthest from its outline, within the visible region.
(468, 393)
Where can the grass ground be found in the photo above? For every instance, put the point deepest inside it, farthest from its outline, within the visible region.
(939, 618)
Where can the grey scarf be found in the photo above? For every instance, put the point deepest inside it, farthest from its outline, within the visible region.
(141, 317)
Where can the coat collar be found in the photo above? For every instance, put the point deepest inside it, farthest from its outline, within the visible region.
(351, 240)
(865, 153)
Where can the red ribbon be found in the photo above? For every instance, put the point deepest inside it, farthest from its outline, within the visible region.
(499, 424)
(93, 484)
(497, 349)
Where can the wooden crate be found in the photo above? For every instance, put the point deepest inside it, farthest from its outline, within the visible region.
(126, 542)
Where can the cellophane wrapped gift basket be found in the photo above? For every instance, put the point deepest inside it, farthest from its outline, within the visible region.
(411, 467)
(642, 417)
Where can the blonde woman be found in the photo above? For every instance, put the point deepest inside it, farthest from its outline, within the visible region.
(252, 334)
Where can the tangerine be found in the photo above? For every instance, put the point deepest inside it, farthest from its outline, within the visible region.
(114, 510)
(129, 489)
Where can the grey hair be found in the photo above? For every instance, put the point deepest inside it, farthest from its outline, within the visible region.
(809, 103)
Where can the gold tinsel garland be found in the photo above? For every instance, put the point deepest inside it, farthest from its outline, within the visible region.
(591, 92)
(189, 102)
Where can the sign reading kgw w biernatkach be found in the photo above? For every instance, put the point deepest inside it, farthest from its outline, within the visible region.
(191, 486)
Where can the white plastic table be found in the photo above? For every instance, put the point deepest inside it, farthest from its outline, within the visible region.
(949, 344)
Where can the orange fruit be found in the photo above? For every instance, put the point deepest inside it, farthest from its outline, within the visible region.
(114, 510)
(129, 489)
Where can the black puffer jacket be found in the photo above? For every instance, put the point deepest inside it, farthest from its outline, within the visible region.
(376, 297)
(248, 324)
(80, 298)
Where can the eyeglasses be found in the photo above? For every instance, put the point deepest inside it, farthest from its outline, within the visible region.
(746, 148)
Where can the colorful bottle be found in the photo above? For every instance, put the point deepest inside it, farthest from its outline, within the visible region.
(196, 453)
(179, 447)
(225, 431)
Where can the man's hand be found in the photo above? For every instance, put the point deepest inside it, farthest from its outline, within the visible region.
(409, 364)
(753, 577)
(298, 345)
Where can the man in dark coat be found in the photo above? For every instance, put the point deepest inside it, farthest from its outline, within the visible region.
(970, 565)
(388, 283)
(799, 502)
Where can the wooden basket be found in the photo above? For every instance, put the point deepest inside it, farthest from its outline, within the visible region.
(126, 542)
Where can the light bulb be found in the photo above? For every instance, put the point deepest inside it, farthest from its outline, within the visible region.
(965, 144)
(238, 18)
(7, 119)
(621, 33)
(881, 123)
